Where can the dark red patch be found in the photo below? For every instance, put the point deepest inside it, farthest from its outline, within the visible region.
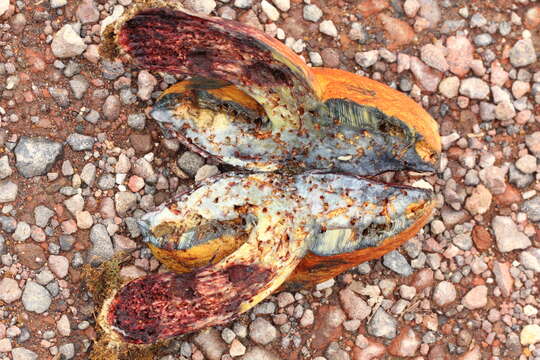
(247, 274)
(164, 305)
(173, 41)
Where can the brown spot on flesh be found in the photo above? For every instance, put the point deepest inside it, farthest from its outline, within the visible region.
(169, 304)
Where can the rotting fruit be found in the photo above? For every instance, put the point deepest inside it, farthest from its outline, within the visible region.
(303, 205)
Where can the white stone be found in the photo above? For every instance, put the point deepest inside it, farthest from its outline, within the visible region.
(270, 10)
(283, 5)
(201, 6)
(9, 290)
(63, 326)
(312, 13)
(327, 27)
(67, 43)
(58, 3)
(4, 6)
(530, 334)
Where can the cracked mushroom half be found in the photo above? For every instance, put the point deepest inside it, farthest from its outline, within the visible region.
(304, 207)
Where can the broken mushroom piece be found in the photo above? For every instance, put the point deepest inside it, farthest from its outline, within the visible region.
(256, 105)
(279, 218)
(308, 214)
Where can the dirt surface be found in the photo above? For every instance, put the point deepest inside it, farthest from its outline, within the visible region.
(467, 287)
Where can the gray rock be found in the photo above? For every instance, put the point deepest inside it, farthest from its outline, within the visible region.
(5, 169)
(487, 111)
(127, 96)
(283, 5)
(111, 107)
(507, 235)
(8, 191)
(79, 142)
(92, 116)
(9, 290)
(451, 26)
(146, 83)
(449, 86)
(228, 335)
(315, 58)
(67, 43)
(527, 164)
(106, 182)
(21, 353)
(102, 246)
(22, 231)
(494, 179)
(112, 69)
(87, 12)
(35, 156)
(66, 242)
(44, 277)
(327, 27)
(484, 39)
(478, 20)
(88, 174)
(259, 353)
(367, 58)
(78, 85)
(190, 162)
(444, 293)
(58, 3)
(36, 298)
(125, 201)
(72, 68)
(243, 4)
(397, 263)
(53, 288)
(382, 325)
(530, 259)
(201, 6)
(474, 88)
(74, 204)
(67, 351)
(354, 305)
(533, 143)
(312, 13)
(334, 352)
(262, 331)
(266, 307)
(463, 241)
(210, 343)
(8, 223)
(60, 96)
(358, 33)
(206, 171)
(532, 208)
(516, 177)
(522, 53)
(137, 121)
(145, 170)
(42, 215)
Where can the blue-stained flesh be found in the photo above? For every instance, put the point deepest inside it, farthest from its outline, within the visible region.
(341, 136)
(337, 213)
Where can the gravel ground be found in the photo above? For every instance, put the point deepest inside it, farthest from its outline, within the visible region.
(80, 160)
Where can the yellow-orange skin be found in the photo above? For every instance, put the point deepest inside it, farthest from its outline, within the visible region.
(314, 269)
(196, 257)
